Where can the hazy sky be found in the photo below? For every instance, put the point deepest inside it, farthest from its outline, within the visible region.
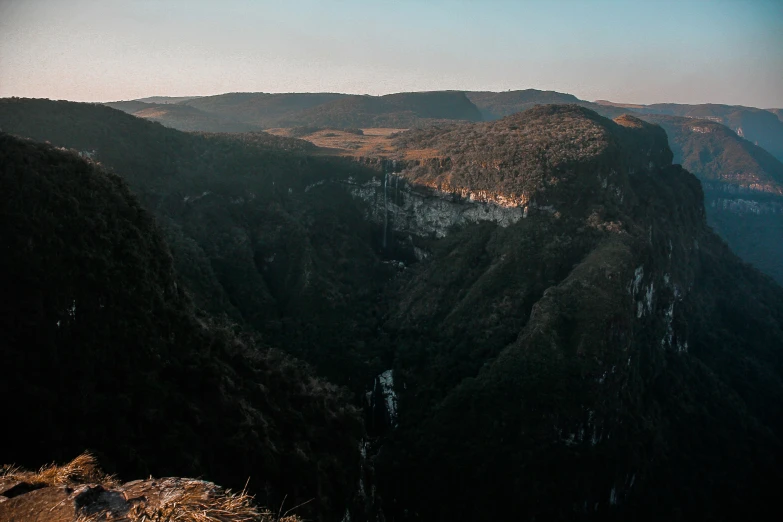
(688, 51)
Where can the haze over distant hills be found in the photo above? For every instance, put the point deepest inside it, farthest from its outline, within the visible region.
(760, 126)
(183, 117)
(777, 112)
(166, 99)
(742, 180)
(261, 110)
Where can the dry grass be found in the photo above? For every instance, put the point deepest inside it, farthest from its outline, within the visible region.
(196, 504)
(164, 500)
(374, 142)
(83, 469)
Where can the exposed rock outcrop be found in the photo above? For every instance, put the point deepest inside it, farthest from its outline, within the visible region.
(80, 492)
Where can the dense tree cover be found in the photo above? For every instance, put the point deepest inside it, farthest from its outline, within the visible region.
(743, 187)
(758, 126)
(250, 240)
(103, 350)
(741, 174)
(713, 152)
(605, 357)
(520, 154)
(615, 361)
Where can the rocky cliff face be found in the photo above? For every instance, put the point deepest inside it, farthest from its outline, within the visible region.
(576, 360)
(422, 211)
(743, 187)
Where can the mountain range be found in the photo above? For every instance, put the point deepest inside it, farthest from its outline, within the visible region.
(524, 318)
(732, 144)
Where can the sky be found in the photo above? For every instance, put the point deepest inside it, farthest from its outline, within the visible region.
(684, 51)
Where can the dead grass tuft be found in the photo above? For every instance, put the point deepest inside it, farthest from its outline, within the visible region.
(197, 504)
(83, 469)
(166, 500)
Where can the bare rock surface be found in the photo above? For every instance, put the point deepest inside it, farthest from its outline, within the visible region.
(80, 492)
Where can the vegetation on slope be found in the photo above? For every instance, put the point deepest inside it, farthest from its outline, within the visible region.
(496, 105)
(249, 239)
(183, 117)
(605, 357)
(103, 350)
(611, 360)
(262, 109)
(340, 110)
(743, 187)
(393, 110)
(519, 154)
(756, 125)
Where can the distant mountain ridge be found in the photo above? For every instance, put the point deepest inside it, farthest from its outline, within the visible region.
(240, 112)
(183, 117)
(164, 100)
(341, 110)
(495, 105)
(263, 109)
(743, 172)
(759, 126)
(237, 112)
(743, 187)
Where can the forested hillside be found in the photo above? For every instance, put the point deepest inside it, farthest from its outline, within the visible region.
(183, 117)
(104, 351)
(249, 238)
(531, 309)
(591, 360)
(758, 126)
(743, 187)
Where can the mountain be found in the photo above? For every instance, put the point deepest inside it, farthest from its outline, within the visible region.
(743, 187)
(250, 240)
(183, 117)
(340, 110)
(242, 112)
(163, 100)
(777, 112)
(393, 110)
(495, 105)
(582, 343)
(532, 313)
(758, 126)
(262, 109)
(103, 349)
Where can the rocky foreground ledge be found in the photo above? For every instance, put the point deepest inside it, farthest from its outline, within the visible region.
(80, 492)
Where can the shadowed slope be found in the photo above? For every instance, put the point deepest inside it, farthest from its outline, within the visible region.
(101, 337)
